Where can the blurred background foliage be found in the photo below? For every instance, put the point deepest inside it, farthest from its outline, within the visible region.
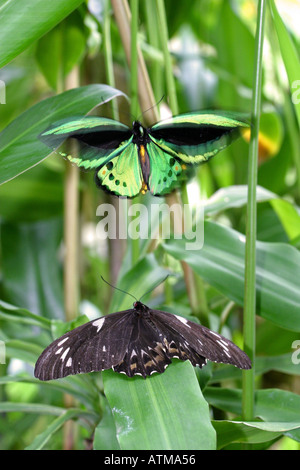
(212, 48)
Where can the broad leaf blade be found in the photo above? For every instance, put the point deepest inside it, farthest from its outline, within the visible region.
(20, 148)
(289, 54)
(163, 412)
(221, 263)
(22, 23)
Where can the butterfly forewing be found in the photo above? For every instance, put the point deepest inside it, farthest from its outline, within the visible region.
(196, 137)
(99, 139)
(94, 346)
(203, 341)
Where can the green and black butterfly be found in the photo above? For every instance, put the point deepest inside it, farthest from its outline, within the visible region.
(132, 161)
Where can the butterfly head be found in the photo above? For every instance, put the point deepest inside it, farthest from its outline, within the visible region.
(140, 308)
(138, 131)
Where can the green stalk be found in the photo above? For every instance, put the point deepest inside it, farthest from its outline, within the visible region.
(108, 55)
(250, 257)
(195, 292)
(117, 247)
(153, 39)
(134, 107)
(134, 103)
(164, 35)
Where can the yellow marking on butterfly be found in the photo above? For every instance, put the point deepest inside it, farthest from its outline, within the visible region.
(144, 188)
(142, 153)
(103, 172)
(183, 166)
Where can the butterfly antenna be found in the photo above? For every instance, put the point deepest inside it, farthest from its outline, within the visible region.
(160, 282)
(151, 107)
(117, 288)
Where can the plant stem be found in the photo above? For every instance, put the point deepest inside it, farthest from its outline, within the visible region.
(108, 56)
(145, 92)
(194, 285)
(71, 241)
(161, 13)
(250, 257)
(153, 39)
(134, 103)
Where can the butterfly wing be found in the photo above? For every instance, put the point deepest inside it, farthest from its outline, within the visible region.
(165, 170)
(99, 139)
(146, 352)
(122, 175)
(195, 137)
(188, 340)
(97, 345)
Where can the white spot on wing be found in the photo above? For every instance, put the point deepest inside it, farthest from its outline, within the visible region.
(183, 320)
(69, 362)
(215, 334)
(223, 345)
(59, 351)
(63, 356)
(62, 341)
(99, 323)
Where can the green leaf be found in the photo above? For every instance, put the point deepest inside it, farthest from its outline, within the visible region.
(234, 196)
(250, 432)
(271, 405)
(282, 363)
(145, 275)
(79, 388)
(20, 148)
(163, 412)
(289, 54)
(22, 23)
(32, 277)
(41, 440)
(221, 263)
(105, 433)
(289, 217)
(61, 49)
(34, 195)
(38, 408)
(21, 315)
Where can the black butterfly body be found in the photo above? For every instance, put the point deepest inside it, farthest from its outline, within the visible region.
(138, 341)
(128, 162)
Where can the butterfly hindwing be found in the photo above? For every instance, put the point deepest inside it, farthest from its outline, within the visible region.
(122, 175)
(165, 170)
(146, 351)
(195, 137)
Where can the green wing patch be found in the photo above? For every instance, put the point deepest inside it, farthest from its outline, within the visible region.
(165, 170)
(97, 139)
(196, 137)
(122, 175)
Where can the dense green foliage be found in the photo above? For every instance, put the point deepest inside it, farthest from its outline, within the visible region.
(212, 61)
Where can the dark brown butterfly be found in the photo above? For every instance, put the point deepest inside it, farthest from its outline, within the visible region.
(139, 341)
